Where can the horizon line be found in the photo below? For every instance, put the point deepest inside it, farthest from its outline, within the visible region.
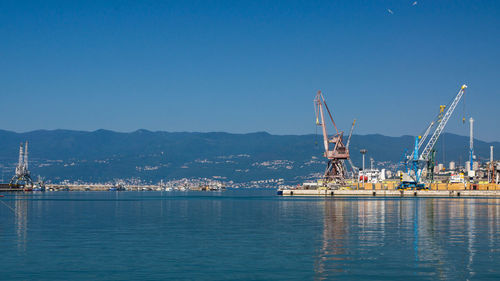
(214, 132)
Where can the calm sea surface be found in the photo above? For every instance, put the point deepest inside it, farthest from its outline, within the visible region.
(245, 234)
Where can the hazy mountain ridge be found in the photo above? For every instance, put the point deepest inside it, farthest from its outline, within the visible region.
(105, 155)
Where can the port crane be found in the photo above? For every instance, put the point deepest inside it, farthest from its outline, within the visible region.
(22, 176)
(418, 161)
(335, 149)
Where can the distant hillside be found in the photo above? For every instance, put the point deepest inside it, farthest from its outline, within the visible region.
(106, 155)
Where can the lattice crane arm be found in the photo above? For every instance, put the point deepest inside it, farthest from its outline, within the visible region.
(439, 128)
(320, 115)
(424, 137)
(350, 134)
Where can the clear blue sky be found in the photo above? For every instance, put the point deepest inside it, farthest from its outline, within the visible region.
(245, 66)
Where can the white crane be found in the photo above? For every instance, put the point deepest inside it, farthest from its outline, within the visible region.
(423, 138)
(420, 160)
(439, 129)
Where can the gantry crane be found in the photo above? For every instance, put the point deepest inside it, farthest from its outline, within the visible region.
(335, 150)
(419, 161)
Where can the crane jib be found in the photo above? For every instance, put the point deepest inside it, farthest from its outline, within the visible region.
(439, 128)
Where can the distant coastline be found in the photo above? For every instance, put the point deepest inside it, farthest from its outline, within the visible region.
(146, 158)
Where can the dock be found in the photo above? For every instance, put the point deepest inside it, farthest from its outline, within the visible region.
(5, 187)
(11, 189)
(388, 193)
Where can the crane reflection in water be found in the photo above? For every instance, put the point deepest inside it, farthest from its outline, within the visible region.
(21, 221)
(437, 237)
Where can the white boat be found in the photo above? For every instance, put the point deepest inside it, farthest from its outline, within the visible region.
(371, 175)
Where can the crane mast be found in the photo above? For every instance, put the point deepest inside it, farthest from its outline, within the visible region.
(335, 150)
(471, 147)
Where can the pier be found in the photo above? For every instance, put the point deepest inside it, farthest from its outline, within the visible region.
(389, 193)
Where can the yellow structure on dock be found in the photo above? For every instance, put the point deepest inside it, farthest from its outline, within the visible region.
(392, 185)
(389, 193)
(388, 188)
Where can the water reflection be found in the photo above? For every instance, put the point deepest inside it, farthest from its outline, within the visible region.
(334, 233)
(470, 236)
(21, 221)
(434, 237)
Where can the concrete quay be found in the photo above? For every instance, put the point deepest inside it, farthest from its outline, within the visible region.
(8, 189)
(388, 193)
(96, 187)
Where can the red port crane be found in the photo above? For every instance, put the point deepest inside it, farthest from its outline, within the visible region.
(335, 150)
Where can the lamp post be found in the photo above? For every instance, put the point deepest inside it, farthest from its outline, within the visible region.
(363, 152)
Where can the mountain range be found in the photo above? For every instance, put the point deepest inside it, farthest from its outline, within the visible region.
(105, 155)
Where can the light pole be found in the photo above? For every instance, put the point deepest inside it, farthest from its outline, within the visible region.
(363, 152)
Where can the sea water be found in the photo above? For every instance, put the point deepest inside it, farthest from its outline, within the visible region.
(246, 235)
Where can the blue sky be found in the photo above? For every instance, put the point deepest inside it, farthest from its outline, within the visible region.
(245, 66)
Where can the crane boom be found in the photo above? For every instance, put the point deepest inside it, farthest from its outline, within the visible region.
(350, 134)
(422, 140)
(439, 129)
(320, 114)
(426, 134)
(353, 168)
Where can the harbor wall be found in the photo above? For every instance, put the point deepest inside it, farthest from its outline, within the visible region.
(392, 185)
(389, 193)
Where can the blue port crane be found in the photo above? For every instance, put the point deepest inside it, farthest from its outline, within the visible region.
(418, 160)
